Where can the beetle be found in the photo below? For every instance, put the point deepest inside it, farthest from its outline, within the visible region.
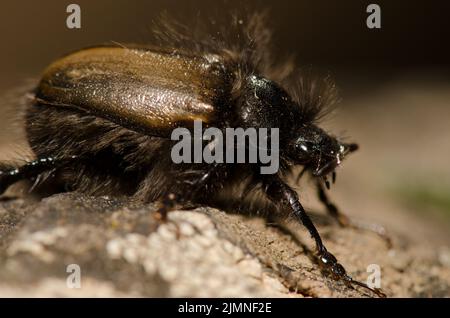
(100, 121)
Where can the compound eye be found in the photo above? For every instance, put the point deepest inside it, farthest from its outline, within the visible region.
(304, 145)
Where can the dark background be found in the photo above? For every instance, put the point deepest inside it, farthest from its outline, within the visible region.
(330, 35)
(394, 83)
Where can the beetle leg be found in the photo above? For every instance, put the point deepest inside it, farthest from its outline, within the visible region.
(341, 218)
(10, 175)
(345, 221)
(197, 181)
(278, 191)
(186, 199)
(200, 183)
(167, 204)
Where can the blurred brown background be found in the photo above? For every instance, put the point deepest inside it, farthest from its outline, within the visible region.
(328, 34)
(395, 86)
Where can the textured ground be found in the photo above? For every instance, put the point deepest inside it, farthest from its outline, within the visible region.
(122, 252)
(403, 132)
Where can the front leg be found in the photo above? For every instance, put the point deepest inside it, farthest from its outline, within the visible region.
(279, 192)
(193, 186)
(341, 218)
(345, 221)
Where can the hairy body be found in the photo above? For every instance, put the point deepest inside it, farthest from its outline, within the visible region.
(100, 120)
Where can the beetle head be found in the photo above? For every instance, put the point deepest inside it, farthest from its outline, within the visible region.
(319, 152)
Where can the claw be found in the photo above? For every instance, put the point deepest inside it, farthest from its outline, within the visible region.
(376, 291)
(338, 272)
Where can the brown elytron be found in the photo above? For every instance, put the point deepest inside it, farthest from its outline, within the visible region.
(137, 87)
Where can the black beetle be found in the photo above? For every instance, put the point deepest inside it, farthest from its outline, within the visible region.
(100, 119)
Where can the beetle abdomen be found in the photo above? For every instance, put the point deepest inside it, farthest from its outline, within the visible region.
(138, 88)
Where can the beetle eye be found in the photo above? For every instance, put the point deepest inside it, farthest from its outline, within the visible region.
(305, 145)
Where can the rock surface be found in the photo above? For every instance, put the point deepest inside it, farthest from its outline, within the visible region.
(123, 251)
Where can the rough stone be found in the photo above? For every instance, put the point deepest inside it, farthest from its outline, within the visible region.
(123, 251)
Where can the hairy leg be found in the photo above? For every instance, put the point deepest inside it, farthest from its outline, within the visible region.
(192, 188)
(279, 191)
